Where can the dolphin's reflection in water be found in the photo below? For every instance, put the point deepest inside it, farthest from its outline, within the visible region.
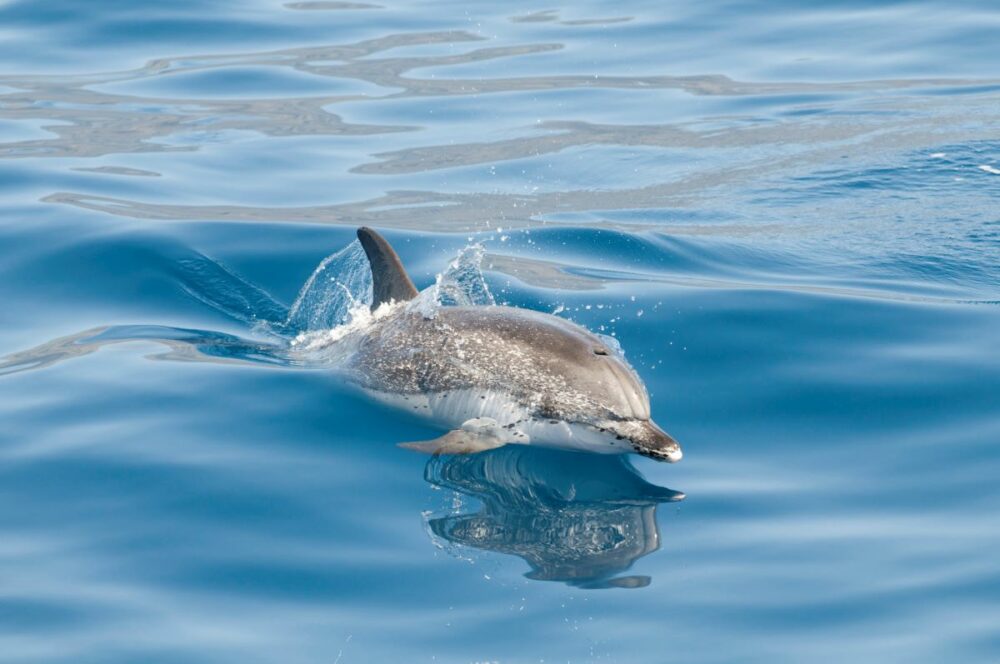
(574, 517)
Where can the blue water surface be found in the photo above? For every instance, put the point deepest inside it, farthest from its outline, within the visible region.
(788, 214)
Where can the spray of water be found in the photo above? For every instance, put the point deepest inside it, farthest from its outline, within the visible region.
(335, 301)
(339, 286)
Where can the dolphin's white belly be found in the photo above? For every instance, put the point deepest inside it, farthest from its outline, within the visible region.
(571, 436)
(451, 410)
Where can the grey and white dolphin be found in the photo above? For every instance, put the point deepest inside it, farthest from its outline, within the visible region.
(493, 375)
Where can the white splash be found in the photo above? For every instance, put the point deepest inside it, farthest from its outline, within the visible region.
(462, 283)
(334, 304)
(359, 318)
(341, 283)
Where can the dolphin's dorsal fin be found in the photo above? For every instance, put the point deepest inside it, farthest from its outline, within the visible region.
(389, 279)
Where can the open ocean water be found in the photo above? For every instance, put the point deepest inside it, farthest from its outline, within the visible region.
(787, 213)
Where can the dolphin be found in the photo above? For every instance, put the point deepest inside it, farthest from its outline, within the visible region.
(495, 375)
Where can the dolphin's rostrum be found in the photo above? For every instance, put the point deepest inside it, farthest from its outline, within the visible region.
(495, 375)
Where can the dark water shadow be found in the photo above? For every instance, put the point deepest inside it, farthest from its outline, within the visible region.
(582, 519)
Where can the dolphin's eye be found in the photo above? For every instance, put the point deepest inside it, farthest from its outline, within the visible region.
(600, 351)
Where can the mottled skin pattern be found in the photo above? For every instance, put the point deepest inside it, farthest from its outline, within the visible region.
(554, 370)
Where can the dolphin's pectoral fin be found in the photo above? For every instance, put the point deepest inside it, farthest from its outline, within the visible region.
(476, 435)
(456, 442)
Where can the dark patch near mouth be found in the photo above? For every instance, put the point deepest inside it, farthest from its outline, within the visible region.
(656, 455)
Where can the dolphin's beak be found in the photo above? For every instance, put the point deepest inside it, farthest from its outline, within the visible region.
(657, 444)
(646, 439)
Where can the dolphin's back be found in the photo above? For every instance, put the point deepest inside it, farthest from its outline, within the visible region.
(555, 368)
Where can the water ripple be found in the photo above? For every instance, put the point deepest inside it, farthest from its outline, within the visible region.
(784, 214)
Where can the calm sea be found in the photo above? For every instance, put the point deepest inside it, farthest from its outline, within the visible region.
(787, 213)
